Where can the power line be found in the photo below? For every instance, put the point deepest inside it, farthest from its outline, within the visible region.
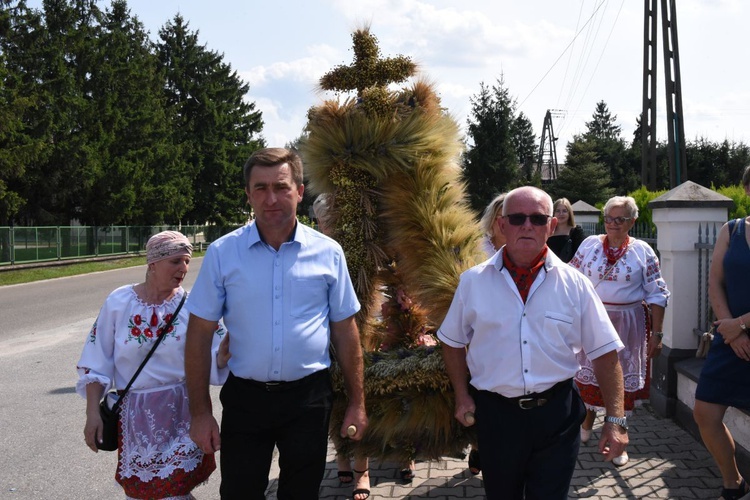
(563, 52)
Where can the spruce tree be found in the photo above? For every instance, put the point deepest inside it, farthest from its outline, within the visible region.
(491, 162)
(215, 127)
(584, 178)
(130, 132)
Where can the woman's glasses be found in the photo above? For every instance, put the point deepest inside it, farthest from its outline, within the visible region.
(616, 220)
(520, 219)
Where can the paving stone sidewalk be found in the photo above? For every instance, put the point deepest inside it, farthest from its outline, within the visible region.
(665, 463)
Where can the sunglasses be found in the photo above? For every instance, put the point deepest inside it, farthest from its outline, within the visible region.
(616, 220)
(520, 219)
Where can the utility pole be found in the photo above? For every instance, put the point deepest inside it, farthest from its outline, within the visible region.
(547, 158)
(673, 89)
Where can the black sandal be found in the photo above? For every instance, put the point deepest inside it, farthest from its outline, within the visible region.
(735, 493)
(475, 466)
(406, 474)
(345, 476)
(361, 491)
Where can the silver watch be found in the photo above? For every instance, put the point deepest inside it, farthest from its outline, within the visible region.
(621, 421)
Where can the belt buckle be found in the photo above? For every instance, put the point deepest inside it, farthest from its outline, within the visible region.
(522, 403)
(271, 386)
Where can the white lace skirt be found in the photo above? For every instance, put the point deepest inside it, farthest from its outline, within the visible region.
(630, 323)
(157, 458)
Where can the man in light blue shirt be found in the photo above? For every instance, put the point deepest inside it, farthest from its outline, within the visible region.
(285, 294)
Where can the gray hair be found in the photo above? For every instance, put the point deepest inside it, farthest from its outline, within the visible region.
(622, 201)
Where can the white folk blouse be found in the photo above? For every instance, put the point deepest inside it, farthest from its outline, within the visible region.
(124, 333)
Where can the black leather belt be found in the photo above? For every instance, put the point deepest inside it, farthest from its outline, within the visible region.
(284, 385)
(537, 399)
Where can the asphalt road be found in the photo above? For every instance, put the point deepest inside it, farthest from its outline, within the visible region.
(43, 326)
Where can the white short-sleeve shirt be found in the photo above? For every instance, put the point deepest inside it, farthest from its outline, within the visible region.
(516, 348)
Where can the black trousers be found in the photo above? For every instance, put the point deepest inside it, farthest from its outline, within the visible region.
(529, 454)
(295, 420)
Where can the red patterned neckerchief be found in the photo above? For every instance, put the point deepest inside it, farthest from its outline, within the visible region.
(523, 277)
(614, 254)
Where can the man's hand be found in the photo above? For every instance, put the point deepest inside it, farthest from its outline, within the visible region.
(465, 407)
(614, 439)
(204, 431)
(356, 416)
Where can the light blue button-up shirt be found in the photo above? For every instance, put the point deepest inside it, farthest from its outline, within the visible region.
(276, 305)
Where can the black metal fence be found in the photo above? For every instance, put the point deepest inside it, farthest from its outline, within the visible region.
(707, 235)
(20, 245)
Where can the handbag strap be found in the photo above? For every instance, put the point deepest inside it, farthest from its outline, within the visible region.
(116, 406)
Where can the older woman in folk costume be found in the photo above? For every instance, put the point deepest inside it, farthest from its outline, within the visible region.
(156, 457)
(626, 275)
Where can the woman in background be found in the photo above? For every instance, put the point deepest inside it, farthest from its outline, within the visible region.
(725, 377)
(567, 236)
(493, 237)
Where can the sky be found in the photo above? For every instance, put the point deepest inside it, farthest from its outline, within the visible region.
(560, 55)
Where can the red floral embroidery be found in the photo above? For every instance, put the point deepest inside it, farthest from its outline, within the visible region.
(178, 483)
(143, 333)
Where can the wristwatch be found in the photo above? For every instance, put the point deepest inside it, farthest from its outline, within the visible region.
(743, 326)
(621, 421)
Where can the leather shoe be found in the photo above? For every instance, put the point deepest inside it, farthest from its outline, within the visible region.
(621, 460)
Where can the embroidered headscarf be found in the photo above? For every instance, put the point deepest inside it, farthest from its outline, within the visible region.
(167, 244)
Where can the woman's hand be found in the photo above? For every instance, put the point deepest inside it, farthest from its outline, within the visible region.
(729, 328)
(94, 428)
(654, 346)
(222, 357)
(92, 431)
(741, 346)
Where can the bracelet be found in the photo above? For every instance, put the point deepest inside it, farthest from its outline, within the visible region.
(743, 326)
(659, 335)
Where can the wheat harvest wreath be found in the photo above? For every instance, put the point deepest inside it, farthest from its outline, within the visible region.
(390, 163)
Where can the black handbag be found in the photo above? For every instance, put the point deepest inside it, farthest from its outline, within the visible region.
(111, 416)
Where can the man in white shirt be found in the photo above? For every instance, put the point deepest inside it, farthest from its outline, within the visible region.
(514, 327)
